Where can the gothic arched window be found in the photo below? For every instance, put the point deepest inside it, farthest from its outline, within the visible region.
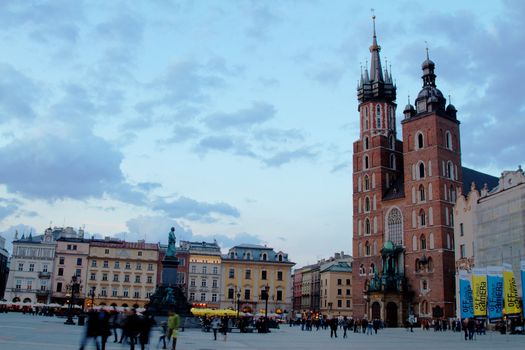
(450, 170)
(395, 226)
(448, 140)
(367, 226)
(365, 162)
(423, 242)
(378, 116)
(367, 183)
(421, 193)
(367, 248)
(366, 143)
(419, 140)
(392, 142)
(393, 161)
(367, 123)
(421, 169)
(367, 204)
(422, 218)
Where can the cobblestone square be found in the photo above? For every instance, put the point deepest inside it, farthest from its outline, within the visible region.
(23, 332)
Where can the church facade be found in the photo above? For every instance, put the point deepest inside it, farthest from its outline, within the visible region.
(404, 190)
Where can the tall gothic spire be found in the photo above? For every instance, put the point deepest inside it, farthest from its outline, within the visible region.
(376, 73)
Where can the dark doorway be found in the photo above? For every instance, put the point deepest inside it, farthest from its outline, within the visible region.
(391, 314)
(376, 310)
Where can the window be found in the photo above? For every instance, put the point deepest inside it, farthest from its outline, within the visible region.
(248, 256)
(150, 267)
(392, 161)
(462, 252)
(421, 193)
(339, 291)
(422, 219)
(246, 294)
(20, 267)
(215, 270)
(203, 296)
(43, 285)
(367, 248)
(139, 253)
(106, 251)
(365, 162)
(150, 279)
(395, 226)
(348, 292)
(339, 281)
(214, 297)
(392, 142)
(44, 268)
(29, 285)
(279, 295)
(61, 271)
(104, 277)
(69, 247)
(461, 233)
(248, 274)
(367, 226)
(423, 242)
(448, 140)
(31, 267)
(230, 293)
(74, 247)
(192, 296)
(264, 257)
(348, 281)
(126, 278)
(231, 273)
(61, 260)
(450, 170)
(424, 285)
(117, 264)
(348, 303)
(104, 292)
(125, 293)
(279, 275)
(339, 303)
(106, 264)
(115, 278)
(193, 269)
(366, 143)
(79, 261)
(367, 183)
(367, 123)
(137, 279)
(114, 293)
(93, 263)
(128, 265)
(136, 294)
(192, 282)
(205, 269)
(59, 286)
(361, 270)
(419, 140)
(421, 168)
(138, 266)
(214, 283)
(203, 283)
(367, 205)
(378, 116)
(263, 275)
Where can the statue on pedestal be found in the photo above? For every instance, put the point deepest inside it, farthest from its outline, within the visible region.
(170, 252)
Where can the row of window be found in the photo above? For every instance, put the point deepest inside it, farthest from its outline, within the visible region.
(417, 244)
(116, 278)
(420, 140)
(339, 292)
(31, 267)
(391, 164)
(339, 303)
(204, 283)
(60, 272)
(62, 261)
(204, 269)
(391, 143)
(378, 118)
(125, 293)
(29, 284)
(116, 265)
(248, 274)
(203, 297)
(248, 256)
(247, 294)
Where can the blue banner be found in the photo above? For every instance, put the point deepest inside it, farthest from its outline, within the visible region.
(465, 295)
(495, 293)
(522, 268)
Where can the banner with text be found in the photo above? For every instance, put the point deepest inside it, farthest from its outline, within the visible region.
(479, 291)
(495, 293)
(465, 294)
(522, 268)
(511, 297)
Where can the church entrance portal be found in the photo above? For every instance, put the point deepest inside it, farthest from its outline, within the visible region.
(376, 311)
(391, 314)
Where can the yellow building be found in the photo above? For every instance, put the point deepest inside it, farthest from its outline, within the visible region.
(249, 272)
(336, 289)
(121, 273)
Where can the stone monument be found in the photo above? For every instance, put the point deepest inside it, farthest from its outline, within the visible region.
(169, 296)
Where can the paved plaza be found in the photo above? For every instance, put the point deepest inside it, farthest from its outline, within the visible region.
(23, 332)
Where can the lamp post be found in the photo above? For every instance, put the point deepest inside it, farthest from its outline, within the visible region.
(266, 295)
(238, 302)
(92, 295)
(72, 288)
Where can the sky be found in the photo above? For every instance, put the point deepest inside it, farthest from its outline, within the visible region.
(230, 120)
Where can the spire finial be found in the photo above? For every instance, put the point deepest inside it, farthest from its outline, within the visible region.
(409, 98)
(449, 99)
(373, 20)
(426, 43)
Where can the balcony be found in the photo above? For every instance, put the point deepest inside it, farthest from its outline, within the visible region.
(44, 275)
(42, 292)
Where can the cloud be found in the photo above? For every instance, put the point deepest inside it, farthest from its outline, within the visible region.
(187, 208)
(261, 18)
(53, 166)
(341, 166)
(258, 113)
(6, 210)
(124, 28)
(9, 234)
(224, 143)
(285, 157)
(278, 135)
(182, 133)
(148, 186)
(328, 74)
(18, 94)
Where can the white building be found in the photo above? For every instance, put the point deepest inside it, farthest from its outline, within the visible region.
(489, 227)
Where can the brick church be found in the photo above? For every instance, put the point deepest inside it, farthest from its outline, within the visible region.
(403, 197)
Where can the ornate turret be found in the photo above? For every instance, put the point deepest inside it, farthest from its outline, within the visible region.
(430, 98)
(376, 86)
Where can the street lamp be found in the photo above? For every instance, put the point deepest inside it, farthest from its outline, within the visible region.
(238, 302)
(72, 288)
(266, 295)
(92, 295)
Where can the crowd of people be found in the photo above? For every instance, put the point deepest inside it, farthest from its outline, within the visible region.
(346, 324)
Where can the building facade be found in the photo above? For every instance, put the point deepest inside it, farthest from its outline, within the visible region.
(251, 272)
(121, 273)
(336, 289)
(490, 225)
(4, 267)
(403, 197)
(204, 272)
(31, 268)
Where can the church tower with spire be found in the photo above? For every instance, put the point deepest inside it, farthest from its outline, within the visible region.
(403, 196)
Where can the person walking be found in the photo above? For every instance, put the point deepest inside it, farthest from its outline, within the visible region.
(104, 330)
(471, 325)
(224, 327)
(345, 326)
(92, 329)
(334, 323)
(215, 323)
(164, 334)
(173, 326)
